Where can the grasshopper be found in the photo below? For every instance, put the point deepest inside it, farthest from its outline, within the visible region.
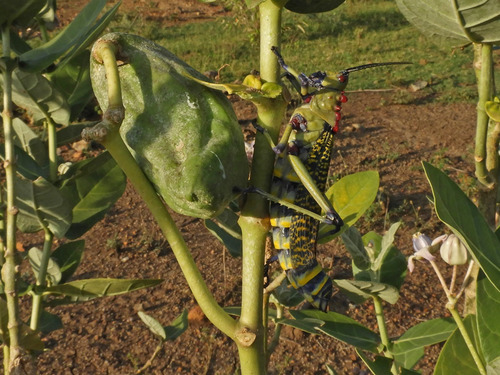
(299, 178)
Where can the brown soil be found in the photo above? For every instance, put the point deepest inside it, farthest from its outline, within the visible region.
(106, 336)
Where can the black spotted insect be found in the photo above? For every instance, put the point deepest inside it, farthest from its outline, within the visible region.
(299, 179)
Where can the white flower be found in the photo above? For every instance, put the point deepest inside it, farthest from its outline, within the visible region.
(423, 245)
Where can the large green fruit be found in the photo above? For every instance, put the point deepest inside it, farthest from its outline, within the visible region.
(185, 136)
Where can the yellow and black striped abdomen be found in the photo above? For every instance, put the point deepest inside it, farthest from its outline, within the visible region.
(295, 234)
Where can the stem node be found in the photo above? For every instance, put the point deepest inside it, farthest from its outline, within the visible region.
(245, 336)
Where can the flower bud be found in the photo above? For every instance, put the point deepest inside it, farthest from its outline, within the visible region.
(420, 241)
(453, 251)
(422, 245)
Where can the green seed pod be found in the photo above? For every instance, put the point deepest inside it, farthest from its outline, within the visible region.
(185, 136)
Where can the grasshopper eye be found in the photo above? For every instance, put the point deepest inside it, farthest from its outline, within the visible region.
(343, 77)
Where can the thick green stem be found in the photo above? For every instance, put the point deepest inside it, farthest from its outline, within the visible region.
(254, 220)
(466, 337)
(484, 155)
(36, 308)
(9, 269)
(483, 60)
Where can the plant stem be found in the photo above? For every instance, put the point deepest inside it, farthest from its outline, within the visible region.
(107, 132)
(9, 269)
(483, 59)
(52, 148)
(384, 337)
(379, 314)
(483, 159)
(254, 219)
(36, 308)
(277, 332)
(466, 337)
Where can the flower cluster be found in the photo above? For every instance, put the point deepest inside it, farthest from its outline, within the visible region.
(451, 249)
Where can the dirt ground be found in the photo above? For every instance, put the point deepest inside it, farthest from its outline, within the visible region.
(106, 336)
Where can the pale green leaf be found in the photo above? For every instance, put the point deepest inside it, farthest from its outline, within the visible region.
(351, 196)
(409, 348)
(68, 257)
(356, 248)
(154, 325)
(95, 186)
(340, 327)
(360, 290)
(26, 165)
(53, 276)
(93, 288)
(28, 140)
(386, 245)
(36, 94)
(459, 22)
(41, 206)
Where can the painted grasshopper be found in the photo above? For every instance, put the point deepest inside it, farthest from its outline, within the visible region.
(300, 175)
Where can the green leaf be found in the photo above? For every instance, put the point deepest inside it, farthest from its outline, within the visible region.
(19, 12)
(30, 339)
(36, 94)
(488, 324)
(41, 205)
(73, 35)
(29, 141)
(457, 211)
(286, 295)
(94, 288)
(226, 229)
(91, 36)
(26, 165)
(381, 365)
(409, 348)
(49, 322)
(312, 6)
(154, 325)
(455, 357)
(95, 186)
(53, 272)
(306, 325)
(73, 80)
(385, 246)
(354, 245)
(342, 328)
(394, 267)
(269, 90)
(351, 196)
(459, 22)
(360, 290)
(178, 326)
(68, 256)
(493, 109)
